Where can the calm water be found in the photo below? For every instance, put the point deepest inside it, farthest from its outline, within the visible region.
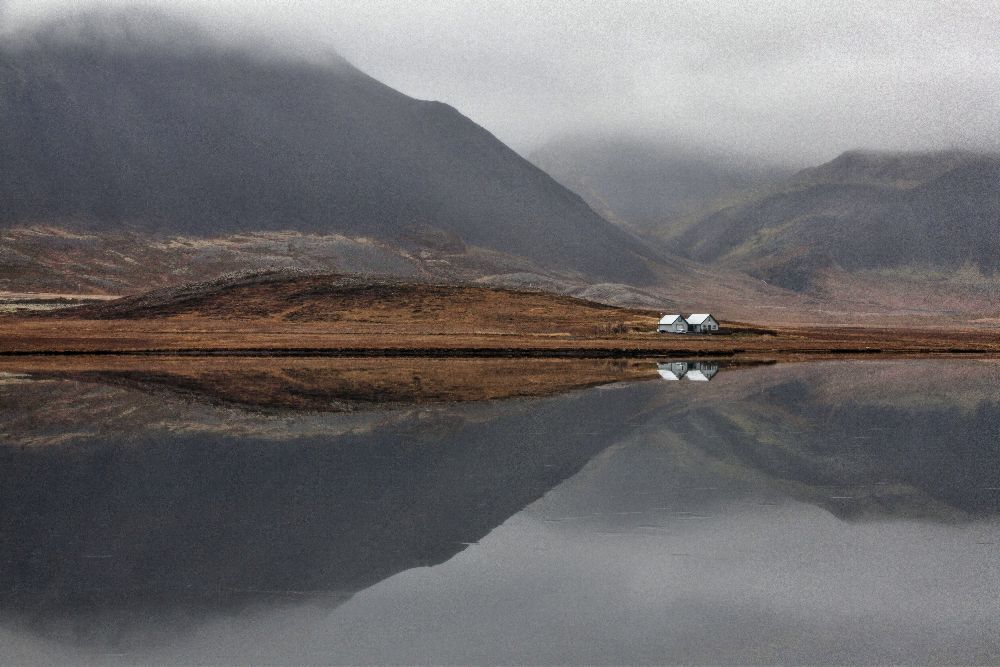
(830, 512)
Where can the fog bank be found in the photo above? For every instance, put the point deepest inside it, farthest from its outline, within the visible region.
(785, 80)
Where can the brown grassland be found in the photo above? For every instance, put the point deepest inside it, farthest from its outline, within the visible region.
(352, 316)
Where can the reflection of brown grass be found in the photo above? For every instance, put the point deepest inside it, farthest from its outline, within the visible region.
(336, 384)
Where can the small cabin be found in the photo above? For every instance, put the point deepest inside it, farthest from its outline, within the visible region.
(672, 324)
(702, 323)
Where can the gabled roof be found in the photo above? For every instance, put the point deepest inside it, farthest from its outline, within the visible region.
(669, 319)
(699, 318)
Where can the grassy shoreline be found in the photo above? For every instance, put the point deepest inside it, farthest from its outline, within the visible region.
(215, 337)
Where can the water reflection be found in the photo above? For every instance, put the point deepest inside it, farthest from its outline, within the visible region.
(834, 512)
(330, 384)
(166, 521)
(695, 371)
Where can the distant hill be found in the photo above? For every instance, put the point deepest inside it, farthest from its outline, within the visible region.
(365, 303)
(109, 125)
(917, 214)
(649, 184)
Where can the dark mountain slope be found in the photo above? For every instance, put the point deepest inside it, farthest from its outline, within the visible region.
(936, 212)
(106, 127)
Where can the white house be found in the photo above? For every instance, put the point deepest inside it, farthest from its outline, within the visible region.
(672, 324)
(702, 323)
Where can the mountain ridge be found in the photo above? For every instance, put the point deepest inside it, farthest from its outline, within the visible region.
(862, 211)
(217, 140)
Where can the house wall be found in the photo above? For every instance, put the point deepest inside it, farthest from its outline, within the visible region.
(708, 325)
(676, 327)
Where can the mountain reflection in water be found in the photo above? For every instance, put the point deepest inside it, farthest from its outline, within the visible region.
(827, 512)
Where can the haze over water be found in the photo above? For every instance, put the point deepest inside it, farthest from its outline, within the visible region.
(811, 513)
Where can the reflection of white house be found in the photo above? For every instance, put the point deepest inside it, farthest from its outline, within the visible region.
(702, 372)
(702, 323)
(672, 324)
(672, 371)
(697, 371)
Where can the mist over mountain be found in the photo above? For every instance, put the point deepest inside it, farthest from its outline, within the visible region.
(652, 184)
(115, 122)
(915, 213)
(912, 214)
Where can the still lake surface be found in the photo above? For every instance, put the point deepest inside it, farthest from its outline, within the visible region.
(829, 512)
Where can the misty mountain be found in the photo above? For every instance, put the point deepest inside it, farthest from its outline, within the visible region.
(111, 124)
(920, 213)
(652, 185)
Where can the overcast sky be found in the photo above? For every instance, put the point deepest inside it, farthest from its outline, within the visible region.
(803, 80)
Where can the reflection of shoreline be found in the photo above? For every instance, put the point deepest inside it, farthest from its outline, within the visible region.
(334, 384)
(331, 384)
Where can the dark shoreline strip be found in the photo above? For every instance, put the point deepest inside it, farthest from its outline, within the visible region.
(503, 353)
(579, 353)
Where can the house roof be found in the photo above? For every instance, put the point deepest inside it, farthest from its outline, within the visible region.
(668, 374)
(669, 319)
(699, 318)
(696, 375)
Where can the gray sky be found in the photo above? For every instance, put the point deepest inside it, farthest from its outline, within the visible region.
(802, 80)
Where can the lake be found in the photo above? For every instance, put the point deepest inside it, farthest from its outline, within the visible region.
(476, 512)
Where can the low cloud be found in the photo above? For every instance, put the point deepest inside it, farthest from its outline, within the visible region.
(783, 80)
